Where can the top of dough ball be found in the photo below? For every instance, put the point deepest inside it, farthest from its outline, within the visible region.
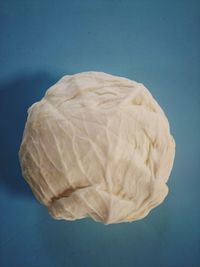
(97, 145)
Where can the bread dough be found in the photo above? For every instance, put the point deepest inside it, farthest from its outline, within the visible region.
(97, 146)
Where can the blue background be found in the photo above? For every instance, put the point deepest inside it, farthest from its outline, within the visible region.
(154, 42)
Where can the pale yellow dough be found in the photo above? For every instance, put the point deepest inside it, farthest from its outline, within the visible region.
(97, 145)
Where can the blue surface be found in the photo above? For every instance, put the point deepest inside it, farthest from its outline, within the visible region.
(154, 42)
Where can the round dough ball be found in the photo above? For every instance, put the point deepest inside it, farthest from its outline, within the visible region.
(97, 146)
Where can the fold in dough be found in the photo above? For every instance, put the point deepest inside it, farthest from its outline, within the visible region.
(97, 146)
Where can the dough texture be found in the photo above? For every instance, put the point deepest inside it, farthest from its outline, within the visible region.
(97, 146)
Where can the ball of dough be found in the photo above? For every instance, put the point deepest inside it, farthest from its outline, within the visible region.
(97, 146)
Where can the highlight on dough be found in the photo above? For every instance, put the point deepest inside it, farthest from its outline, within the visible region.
(99, 146)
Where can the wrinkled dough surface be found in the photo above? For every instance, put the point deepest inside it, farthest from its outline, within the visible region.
(97, 146)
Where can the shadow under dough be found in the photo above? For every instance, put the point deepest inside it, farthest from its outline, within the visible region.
(16, 96)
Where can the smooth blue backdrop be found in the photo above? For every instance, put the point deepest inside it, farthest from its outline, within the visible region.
(154, 42)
